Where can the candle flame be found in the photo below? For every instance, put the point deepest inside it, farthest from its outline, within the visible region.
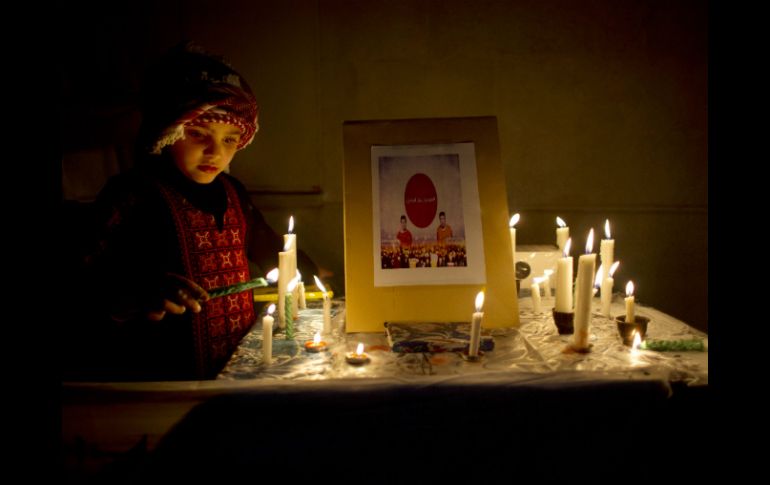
(599, 273)
(629, 288)
(537, 280)
(291, 224)
(607, 229)
(560, 222)
(567, 247)
(317, 338)
(271, 309)
(547, 272)
(514, 220)
(292, 284)
(360, 348)
(637, 340)
(272, 275)
(287, 245)
(614, 267)
(590, 241)
(319, 284)
(479, 300)
(299, 275)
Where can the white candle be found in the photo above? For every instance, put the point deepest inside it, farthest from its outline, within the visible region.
(478, 316)
(564, 281)
(284, 277)
(630, 317)
(294, 290)
(535, 295)
(511, 224)
(562, 233)
(327, 306)
(583, 294)
(607, 250)
(547, 282)
(607, 285)
(302, 300)
(267, 335)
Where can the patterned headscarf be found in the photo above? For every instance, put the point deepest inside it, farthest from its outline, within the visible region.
(189, 86)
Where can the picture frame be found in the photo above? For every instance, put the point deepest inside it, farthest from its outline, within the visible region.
(421, 291)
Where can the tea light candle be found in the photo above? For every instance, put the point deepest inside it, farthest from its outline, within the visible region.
(316, 345)
(511, 224)
(536, 295)
(267, 335)
(327, 306)
(583, 294)
(562, 233)
(478, 316)
(630, 317)
(564, 281)
(358, 357)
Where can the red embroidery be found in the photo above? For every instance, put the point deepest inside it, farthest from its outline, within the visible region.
(223, 322)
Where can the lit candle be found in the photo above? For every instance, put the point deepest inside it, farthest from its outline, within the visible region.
(583, 294)
(473, 348)
(358, 357)
(562, 233)
(316, 345)
(635, 346)
(536, 294)
(607, 250)
(547, 282)
(512, 228)
(267, 335)
(285, 275)
(327, 306)
(564, 281)
(302, 300)
(630, 317)
(607, 285)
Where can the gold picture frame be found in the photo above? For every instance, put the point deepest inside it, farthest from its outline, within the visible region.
(426, 297)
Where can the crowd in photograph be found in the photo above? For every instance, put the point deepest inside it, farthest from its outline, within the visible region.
(423, 255)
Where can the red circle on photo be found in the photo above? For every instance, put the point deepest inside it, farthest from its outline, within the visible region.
(420, 200)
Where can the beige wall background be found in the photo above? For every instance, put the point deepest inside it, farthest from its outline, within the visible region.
(602, 109)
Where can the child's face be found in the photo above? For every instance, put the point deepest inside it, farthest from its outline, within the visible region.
(206, 150)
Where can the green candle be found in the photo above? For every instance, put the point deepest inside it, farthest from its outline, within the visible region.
(674, 345)
(289, 318)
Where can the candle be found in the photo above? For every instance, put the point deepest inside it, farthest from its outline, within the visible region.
(607, 285)
(547, 282)
(285, 275)
(267, 335)
(630, 317)
(607, 250)
(473, 348)
(302, 300)
(316, 345)
(511, 224)
(562, 233)
(564, 281)
(583, 294)
(327, 306)
(358, 357)
(536, 295)
(295, 296)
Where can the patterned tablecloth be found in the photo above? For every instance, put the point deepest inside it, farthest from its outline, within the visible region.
(533, 349)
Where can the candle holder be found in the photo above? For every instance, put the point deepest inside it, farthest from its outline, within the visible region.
(471, 358)
(315, 347)
(564, 322)
(353, 358)
(626, 330)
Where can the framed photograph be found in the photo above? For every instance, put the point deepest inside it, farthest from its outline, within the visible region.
(426, 215)
(426, 223)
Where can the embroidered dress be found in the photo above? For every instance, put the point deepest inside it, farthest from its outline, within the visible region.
(214, 256)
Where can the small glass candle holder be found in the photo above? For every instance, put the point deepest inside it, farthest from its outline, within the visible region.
(358, 357)
(564, 322)
(626, 330)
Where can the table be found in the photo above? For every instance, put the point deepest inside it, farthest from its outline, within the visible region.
(525, 408)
